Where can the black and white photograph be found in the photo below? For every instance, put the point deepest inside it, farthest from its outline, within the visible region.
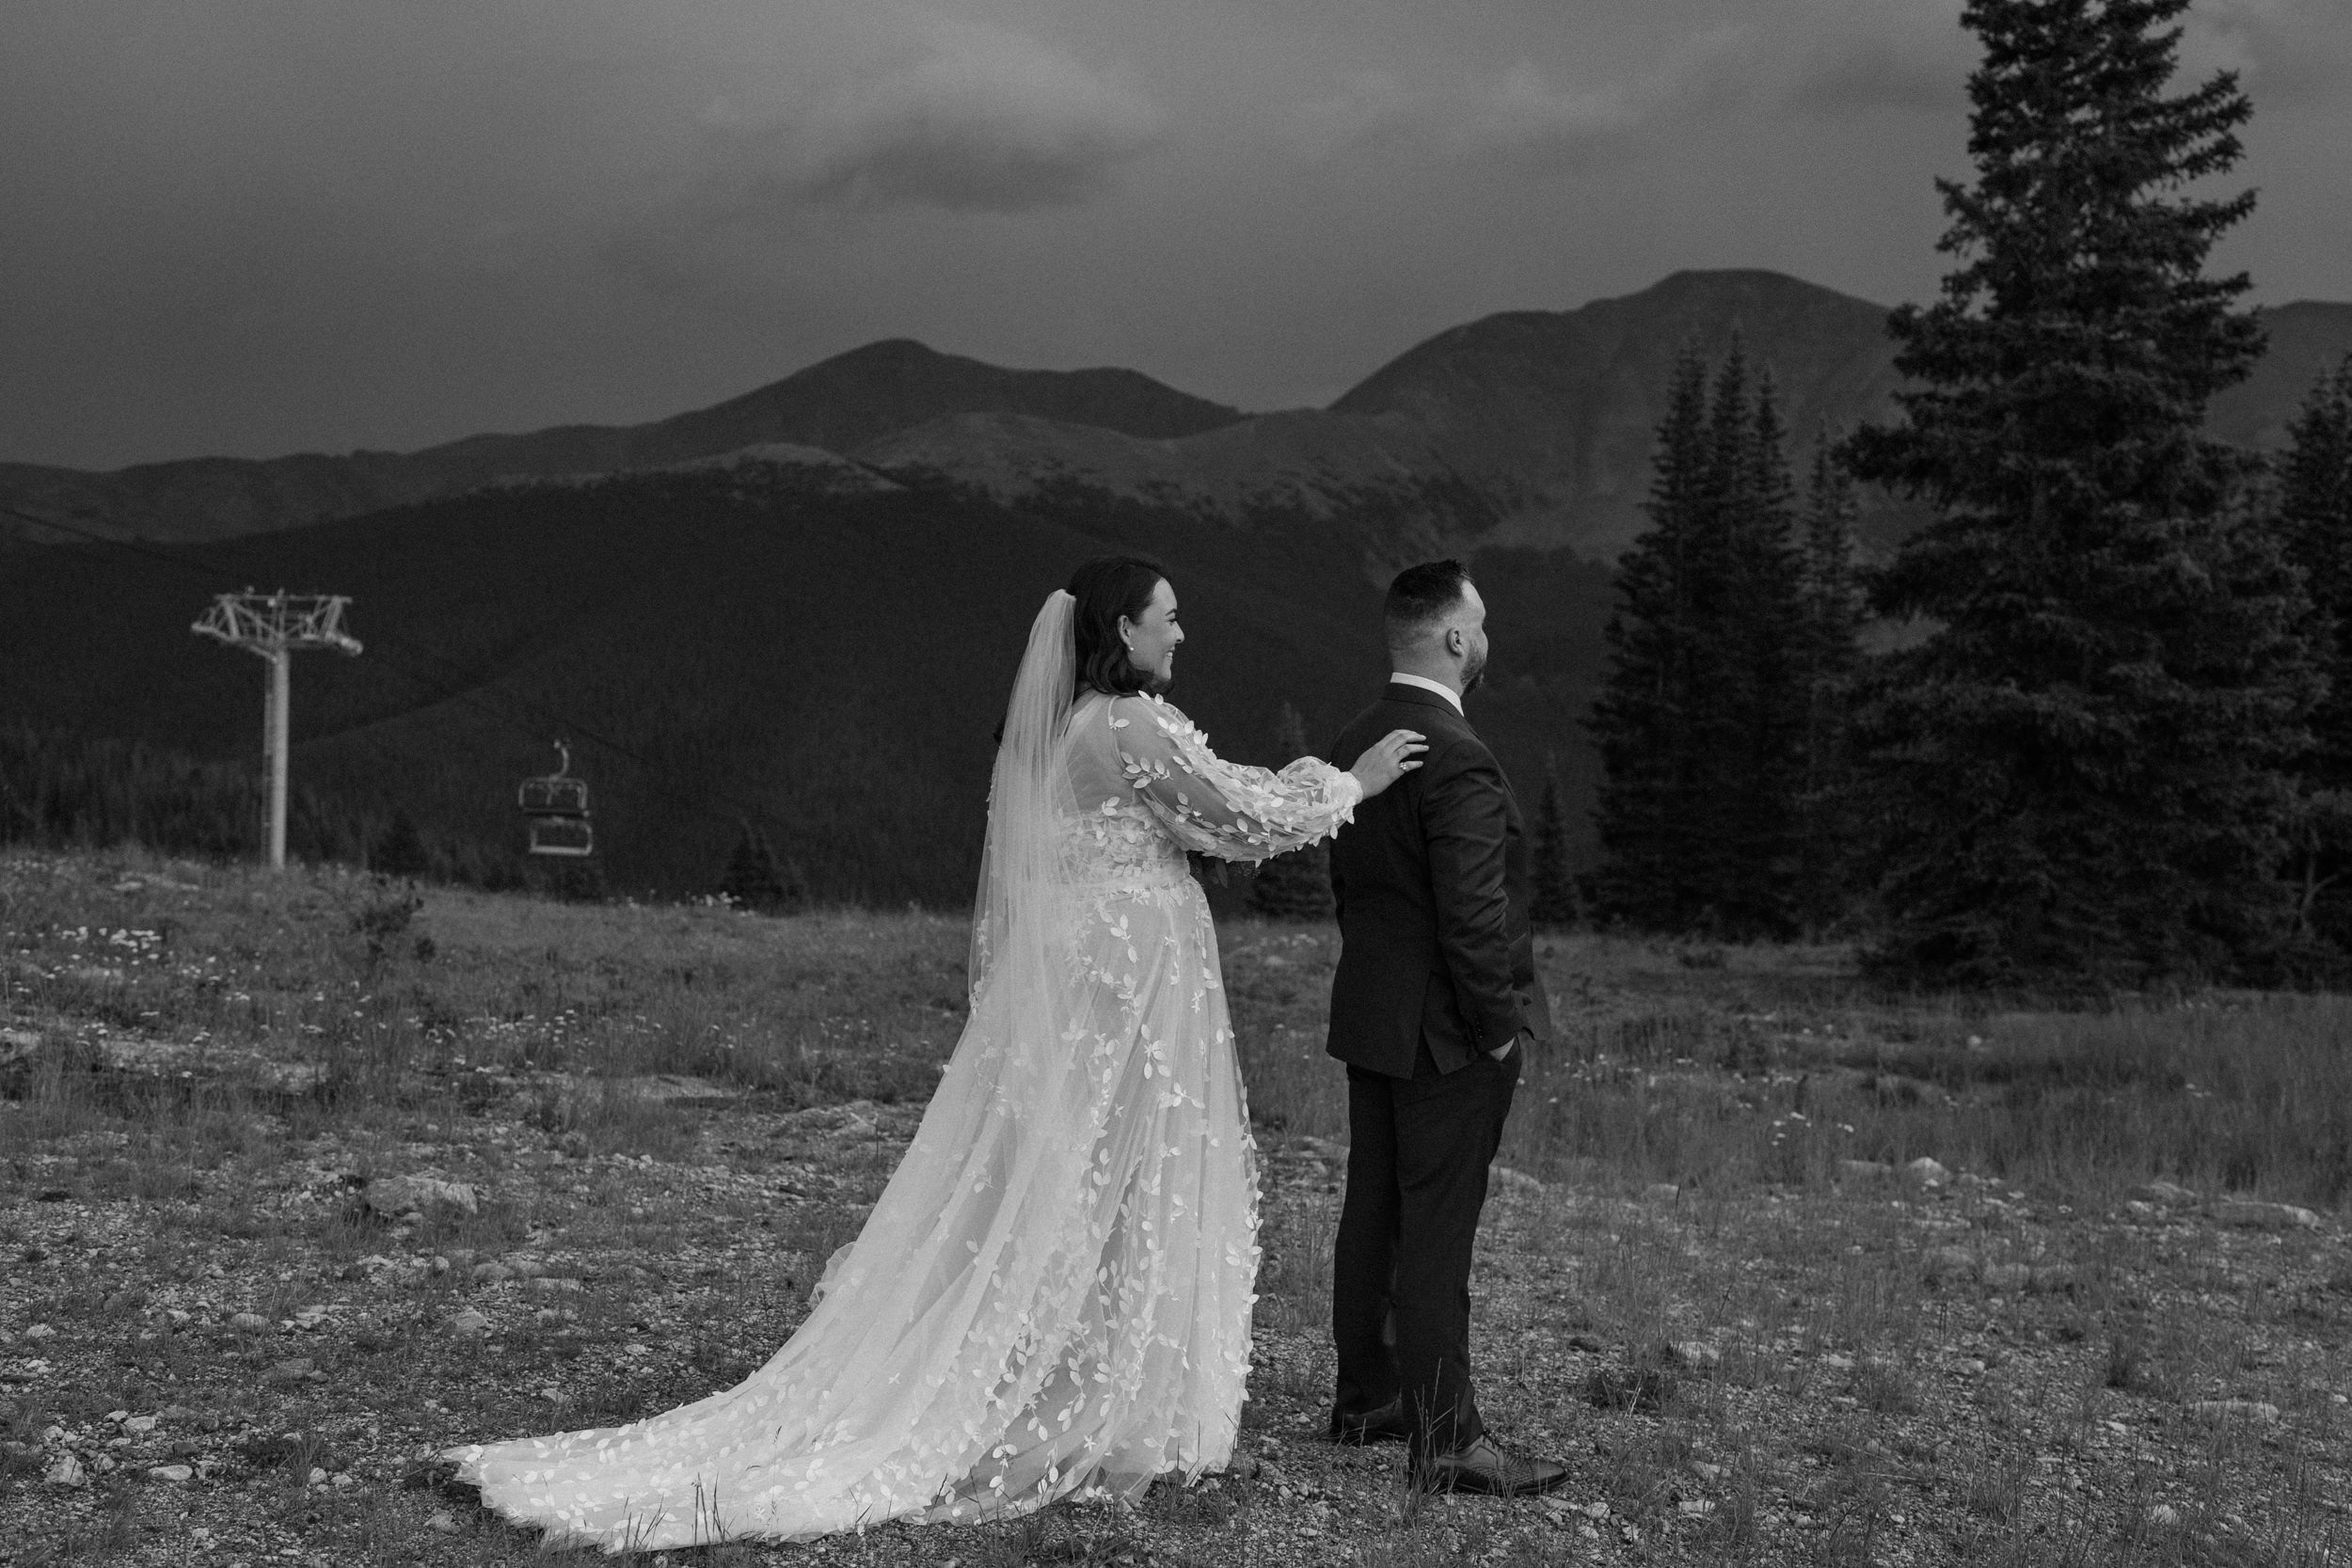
(1265, 784)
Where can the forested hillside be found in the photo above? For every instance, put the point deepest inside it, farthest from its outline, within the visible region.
(755, 645)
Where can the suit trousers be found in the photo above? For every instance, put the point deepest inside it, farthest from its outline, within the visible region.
(1418, 1153)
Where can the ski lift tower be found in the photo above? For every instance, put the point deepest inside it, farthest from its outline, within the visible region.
(276, 626)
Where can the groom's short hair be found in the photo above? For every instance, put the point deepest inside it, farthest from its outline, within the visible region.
(1421, 600)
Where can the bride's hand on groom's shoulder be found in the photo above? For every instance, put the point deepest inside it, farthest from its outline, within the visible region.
(1389, 759)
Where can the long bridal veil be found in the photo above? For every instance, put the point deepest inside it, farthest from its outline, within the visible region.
(1052, 1293)
(1023, 866)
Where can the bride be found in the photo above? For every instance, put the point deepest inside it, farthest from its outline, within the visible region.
(1053, 1293)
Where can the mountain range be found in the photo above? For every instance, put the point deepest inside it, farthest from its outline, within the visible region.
(1526, 429)
(803, 606)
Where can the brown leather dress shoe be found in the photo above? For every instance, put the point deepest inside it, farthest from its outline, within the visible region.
(1384, 1425)
(1488, 1466)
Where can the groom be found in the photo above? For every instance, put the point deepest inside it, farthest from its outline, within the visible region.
(1434, 1004)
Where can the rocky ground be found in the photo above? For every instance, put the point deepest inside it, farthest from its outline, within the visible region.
(243, 1348)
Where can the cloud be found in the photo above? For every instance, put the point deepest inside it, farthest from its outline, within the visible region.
(1862, 58)
(1862, 75)
(979, 121)
(2288, 52)
(1518, 118)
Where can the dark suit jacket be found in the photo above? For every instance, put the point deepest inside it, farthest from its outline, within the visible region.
(1431, 880)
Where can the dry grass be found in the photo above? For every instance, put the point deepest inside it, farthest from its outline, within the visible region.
(1745, 1350)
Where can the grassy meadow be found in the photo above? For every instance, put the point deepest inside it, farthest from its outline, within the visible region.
(2110, 1326)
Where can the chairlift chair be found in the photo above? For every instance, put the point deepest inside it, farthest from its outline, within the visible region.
(555, 809)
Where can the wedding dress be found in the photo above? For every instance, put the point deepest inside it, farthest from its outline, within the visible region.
(1053, 1293)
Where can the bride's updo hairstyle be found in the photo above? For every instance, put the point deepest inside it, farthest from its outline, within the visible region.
(1106, 589)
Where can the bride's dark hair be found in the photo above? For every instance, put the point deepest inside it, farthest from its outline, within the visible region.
(1106, 589)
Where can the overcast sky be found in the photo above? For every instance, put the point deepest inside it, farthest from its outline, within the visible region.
(251, 227)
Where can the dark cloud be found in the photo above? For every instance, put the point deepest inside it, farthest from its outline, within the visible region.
(1516, 116)
(981, 121)
(1864, 74)
(272, 224)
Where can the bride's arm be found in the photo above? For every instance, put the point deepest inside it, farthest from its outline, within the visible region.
(1219, 808)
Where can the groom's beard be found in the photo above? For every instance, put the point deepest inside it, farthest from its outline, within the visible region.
(1474, 674)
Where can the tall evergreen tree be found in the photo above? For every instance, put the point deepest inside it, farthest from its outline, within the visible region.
(1641, 722)
(1554, 901)
(399, 851)
(1829, 655)
(1761, 684)
(758, 879)
(1701, 723)
(2076, 774)
(1298, 885)
(2315, 506)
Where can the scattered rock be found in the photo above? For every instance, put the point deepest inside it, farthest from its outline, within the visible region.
(1637, 1389)
(2164, 1193)
(2264, 1216)
(548, 1285)
(249, 1322)
(2220, 1412)
(290, 1371)
(2007, 1276)
(40, 1332)
(309, 1317)
(663, 1089)
(1662, 1191)
(2053, 1279)
(1696, 1353)
(2164, 1517)
(1927, 1172)
(442, 1523)
(67, 1471)
(171, 1473)
(1587, 1343)
(491, 1274)
(317, 1476)
(394, 1195)
(1695, 1508)
(139, 1423)
(1864, 1170)
(468, 1324)
(1951, 1262)
(1513, 1181)
(555, 1396)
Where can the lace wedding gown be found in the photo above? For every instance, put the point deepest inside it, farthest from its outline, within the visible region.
(1054, 1292)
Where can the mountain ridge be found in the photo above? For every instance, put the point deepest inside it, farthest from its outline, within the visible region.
(1520, 429)
(834, 404)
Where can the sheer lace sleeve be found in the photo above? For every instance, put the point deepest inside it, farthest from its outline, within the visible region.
(1220, 808)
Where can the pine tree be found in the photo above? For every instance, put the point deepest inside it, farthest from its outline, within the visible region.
(1642, 722)
(2077, 774)
(399, 851)
(1761, 684)
(1296, 885)
(1829, 655)
(2315, 512)
(1553, 899)
(758, 879)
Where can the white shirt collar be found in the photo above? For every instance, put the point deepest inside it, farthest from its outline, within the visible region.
(1397, 678)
